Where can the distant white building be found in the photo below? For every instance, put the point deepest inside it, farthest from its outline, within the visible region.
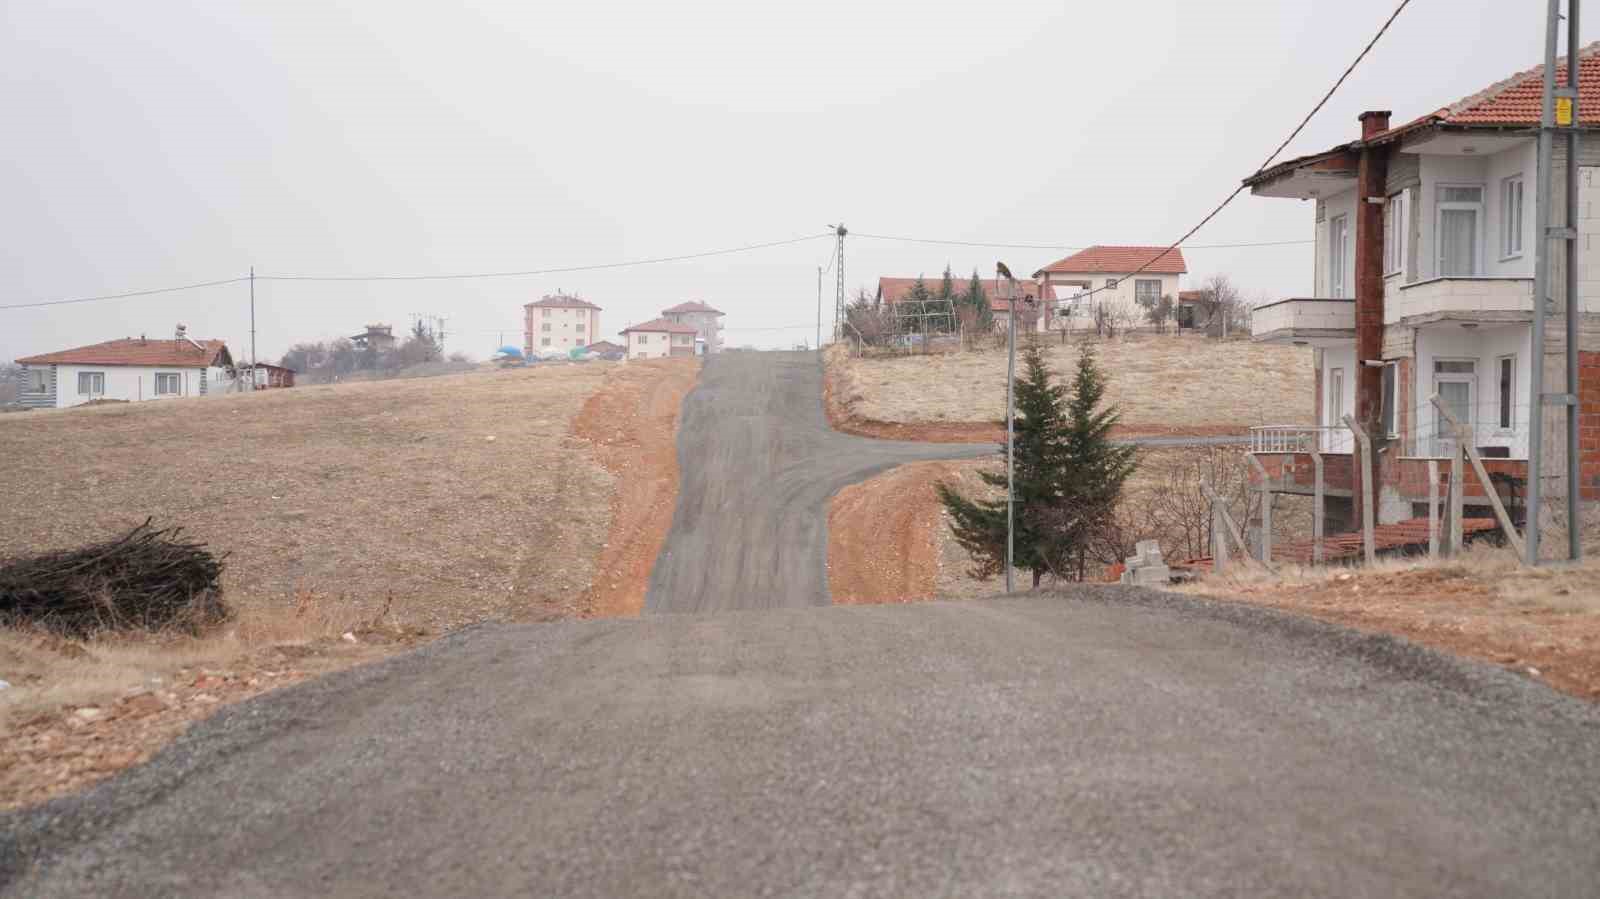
(658, 338)
(704, 319)
(1115, 280)
(132, 369)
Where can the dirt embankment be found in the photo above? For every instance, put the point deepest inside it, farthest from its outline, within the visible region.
(632, 425)
(883, 540)
(1543, 624)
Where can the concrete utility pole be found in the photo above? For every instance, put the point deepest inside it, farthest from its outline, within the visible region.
(1559, 113)
(252, 327)
(819, 307)
(1011, 409)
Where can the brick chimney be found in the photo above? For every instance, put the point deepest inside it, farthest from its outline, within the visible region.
(1372, 174)
(1374, 121)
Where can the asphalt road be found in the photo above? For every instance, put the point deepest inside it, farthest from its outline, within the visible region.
(1110, 743)
(757, 465)
(1103, 741)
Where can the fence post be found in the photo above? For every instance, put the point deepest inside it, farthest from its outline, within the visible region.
(1316, 509)
(1368, 468)
(1264, 539)
(1433, 509)
(1457, 506)
(1464, 445)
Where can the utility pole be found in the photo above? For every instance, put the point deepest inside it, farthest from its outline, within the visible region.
(1011, 372)
(819, 307)
(839, 231)
(1559, 113)
(252, 327)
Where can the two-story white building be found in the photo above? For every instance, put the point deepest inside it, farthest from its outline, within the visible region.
(659, 338)
(131, 369)
(704, 319)
(1109, 280)
(1423, 285)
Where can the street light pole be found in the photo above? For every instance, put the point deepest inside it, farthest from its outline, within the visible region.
(1011, 372)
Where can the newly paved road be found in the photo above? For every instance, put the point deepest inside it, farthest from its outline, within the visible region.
(1108, 743)
(757, 465)
(1105, 741)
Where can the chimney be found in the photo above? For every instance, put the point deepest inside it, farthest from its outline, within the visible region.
(1373, 121)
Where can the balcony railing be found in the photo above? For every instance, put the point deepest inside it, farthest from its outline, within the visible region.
(1300, 439)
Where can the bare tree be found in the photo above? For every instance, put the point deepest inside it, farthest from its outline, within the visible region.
(1225, 309)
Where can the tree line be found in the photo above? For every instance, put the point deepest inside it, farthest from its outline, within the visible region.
(323, 361)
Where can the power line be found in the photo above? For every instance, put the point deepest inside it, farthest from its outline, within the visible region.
(1051, 246)
(1271, 156)
(547, 271)
(123, 296)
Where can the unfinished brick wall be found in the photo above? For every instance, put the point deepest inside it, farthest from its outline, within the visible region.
(1589, 425)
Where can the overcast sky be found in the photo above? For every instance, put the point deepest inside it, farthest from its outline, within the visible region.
(152, 144)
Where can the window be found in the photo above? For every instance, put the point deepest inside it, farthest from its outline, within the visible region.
(545, 326)
(1147, 293)
(1391, 392)
(544, 342)
(38, 380)
(1460, 210)
(1511, 217)
(644, 338)
(1455, 381)
(168, 383)
(580, 326)
(1111, 284)
(1338, 254)
(546, 312)
(91, 383)
(1335, 397)
(1395, 226)
(1507, 370)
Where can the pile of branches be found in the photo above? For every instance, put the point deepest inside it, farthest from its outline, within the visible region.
(151, 579)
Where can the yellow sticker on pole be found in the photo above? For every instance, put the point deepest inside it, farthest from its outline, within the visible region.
(1564, 112)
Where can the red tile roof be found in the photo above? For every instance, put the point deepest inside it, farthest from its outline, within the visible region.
(1120, 261)
(1191, 296)
(691, 306)
(139, 351)
(893, 290)
(661, 324)
(561, 301)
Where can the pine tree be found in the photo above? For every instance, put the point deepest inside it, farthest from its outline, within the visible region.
(980, 525)
(1068, 474)
(978, 301)
(944, 303)
(1096, 468)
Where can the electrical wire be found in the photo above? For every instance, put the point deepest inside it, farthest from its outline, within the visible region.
(1270, 157)
(1051, 246)
(546, 271)
(123, 296)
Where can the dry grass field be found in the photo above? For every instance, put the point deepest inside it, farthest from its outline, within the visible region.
(1162, 384)
(357, 519)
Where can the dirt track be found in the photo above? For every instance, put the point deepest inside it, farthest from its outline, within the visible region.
(760, 464)
(631, 423)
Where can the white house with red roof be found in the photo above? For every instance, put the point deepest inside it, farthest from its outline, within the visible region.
(557, 324)
(1119, 281)
(131, 369)
(703, 318)
(1423, 284)
(659, 338)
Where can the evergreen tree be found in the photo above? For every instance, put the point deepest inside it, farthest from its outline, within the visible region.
(976, 299)
(1068, 476)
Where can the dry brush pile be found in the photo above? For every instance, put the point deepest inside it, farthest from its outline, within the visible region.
(150, 578)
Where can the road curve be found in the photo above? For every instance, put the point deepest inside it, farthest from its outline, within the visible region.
(1106, 742)
(758, 463)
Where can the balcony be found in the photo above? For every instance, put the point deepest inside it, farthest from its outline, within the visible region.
(1305, 321)
(1460, 299)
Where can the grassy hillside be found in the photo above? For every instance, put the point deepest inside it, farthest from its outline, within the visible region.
(1161, 384)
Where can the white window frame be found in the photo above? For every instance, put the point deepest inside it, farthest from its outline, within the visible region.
(38, 381)
(1390, 402)
(1396, 235)
(1338, 255)
(1512, 216)
(1505, 392)
(1471, 380)
(1440, 207)
(1335, 399)
(95, 377)
(1141, 282)
(177, 383)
